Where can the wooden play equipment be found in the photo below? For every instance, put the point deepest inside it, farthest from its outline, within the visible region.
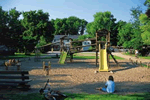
(47, 68)
(95, 42)
(12, 62)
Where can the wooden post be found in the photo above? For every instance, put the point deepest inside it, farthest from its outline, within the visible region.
(136, 61)
(129, 59)
(96, 50)
(148, 65)
(47, 71)
(49, 65)
(141, 63)
(108, 45)
(132, 61)
(52, 49)
(70, 50)
(43, 65)
(60, 46)
(71, 57)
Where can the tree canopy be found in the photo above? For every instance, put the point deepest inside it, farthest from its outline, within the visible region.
(69, 26)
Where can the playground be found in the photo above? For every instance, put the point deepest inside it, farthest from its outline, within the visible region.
(80, 77)
(69, 74)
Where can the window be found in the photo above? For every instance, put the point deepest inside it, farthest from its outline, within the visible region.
(67, 40)
(54, 40)
(88, 43)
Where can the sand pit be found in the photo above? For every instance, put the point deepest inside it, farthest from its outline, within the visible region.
(79, 77)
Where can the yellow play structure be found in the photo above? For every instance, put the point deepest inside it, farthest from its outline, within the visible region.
(103, 64)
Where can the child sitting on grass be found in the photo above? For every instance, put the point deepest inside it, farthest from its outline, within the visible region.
(109, 86)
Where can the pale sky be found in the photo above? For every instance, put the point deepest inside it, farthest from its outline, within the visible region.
(83, 9)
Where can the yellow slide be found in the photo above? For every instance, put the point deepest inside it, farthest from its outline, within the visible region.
(103, 66)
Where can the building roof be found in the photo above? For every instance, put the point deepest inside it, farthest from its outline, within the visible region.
(57, 37)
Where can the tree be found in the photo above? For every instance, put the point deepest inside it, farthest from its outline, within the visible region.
(130, 34)
(103, 20)
(69, 26)
(4, 29)
(15, 29)
(125, 35)
(147, 3)
(36, 24)
(83, 26)
(145, 27)
(136, 38)
(42, 41)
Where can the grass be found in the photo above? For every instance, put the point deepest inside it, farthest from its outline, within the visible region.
(19, 55)
(86, 57)
(83, 96)
(93, 57)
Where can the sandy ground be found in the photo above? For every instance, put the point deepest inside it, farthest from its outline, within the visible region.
(79, 77)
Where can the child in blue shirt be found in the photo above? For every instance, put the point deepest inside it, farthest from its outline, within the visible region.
(109, 86)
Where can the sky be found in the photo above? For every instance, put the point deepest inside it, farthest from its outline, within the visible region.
(83, 9)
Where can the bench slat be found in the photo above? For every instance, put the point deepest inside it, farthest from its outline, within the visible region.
(14, 77)
(26, 81)
(8, 84)
(14, 72)
(13, 85)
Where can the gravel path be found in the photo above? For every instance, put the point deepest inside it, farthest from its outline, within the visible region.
(145, 61)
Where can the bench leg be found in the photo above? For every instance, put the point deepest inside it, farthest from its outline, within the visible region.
(6, 67)
(47, 71)
(23, 86)
(18, 67)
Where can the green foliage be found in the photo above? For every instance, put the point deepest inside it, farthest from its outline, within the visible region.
(76, 43)
(83, 37)
(136, 38)
(103, 20)
(37, 27)
(90, 48)
(125, 35)
(147, 3)
(42, 41)
(145, 29)
(4, 28)
(129, 34)
(71, 26)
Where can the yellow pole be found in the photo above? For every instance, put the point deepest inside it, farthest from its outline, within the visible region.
(52, 49)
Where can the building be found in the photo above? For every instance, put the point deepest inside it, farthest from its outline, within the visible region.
(84, 43)
(66, 41)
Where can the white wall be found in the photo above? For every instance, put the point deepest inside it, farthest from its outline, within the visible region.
(86, 43)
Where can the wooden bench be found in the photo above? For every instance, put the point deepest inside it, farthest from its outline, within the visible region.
(15, 79)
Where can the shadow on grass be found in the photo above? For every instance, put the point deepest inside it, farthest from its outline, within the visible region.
(125, 91)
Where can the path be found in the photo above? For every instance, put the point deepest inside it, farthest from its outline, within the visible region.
(145, 61)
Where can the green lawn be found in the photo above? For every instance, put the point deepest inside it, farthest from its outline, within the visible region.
(93, 57)
(37, 96)
(86, 57)
(19, 55)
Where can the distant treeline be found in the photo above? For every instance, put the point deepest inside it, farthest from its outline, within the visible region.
(35, 28)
